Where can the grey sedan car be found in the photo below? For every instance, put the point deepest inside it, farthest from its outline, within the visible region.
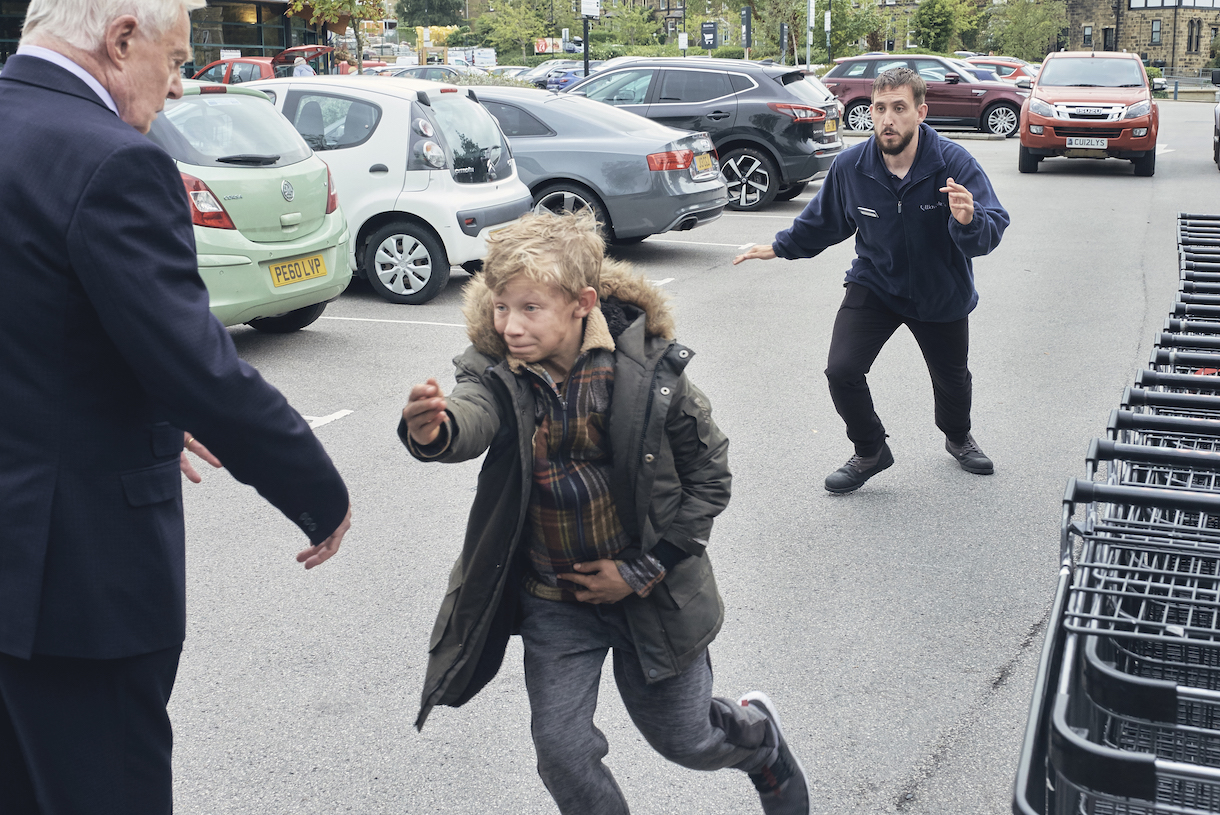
(638, 177)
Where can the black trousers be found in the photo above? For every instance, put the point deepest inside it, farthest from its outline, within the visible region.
(863, 326)
(86, 736)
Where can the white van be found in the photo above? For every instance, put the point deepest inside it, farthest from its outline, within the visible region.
(422, 171)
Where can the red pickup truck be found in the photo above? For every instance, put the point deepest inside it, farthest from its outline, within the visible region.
(1087, 104)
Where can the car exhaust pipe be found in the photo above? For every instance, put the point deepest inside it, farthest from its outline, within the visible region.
(687, 224)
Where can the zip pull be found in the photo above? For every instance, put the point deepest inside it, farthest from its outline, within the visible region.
(899, 206)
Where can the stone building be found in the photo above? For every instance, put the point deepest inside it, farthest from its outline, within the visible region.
(1168, 33)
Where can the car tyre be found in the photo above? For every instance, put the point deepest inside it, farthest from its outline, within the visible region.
(1146, 165)
(859, 117)
(287, 323)
(1216, 147)
(752, 178)
(406, 264)
(632, 241)
(1027, 162)
(1001, 120)
(791, 191)
(570, 197)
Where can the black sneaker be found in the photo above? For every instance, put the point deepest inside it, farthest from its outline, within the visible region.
(972, 459)
(782, 786)
(858, 469)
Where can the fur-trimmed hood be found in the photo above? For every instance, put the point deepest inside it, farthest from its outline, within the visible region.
(620, 286)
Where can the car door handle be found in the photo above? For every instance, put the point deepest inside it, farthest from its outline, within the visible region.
(379, 168)
(718, 114)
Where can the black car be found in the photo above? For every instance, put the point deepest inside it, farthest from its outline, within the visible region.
(774, 128)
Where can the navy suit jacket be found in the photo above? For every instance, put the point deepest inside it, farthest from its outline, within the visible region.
(107, 350)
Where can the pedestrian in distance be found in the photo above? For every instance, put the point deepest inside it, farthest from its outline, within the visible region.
(920, 208)
(604, 470)
(302, 68)
(111, 363)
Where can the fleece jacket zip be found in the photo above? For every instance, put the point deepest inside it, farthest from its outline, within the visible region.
(910, 249)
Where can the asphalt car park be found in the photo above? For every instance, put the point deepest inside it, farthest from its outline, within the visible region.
(897, 629)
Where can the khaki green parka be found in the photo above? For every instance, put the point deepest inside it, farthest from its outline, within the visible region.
(670, 476)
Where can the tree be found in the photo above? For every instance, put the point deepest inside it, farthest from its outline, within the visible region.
(331, 11)
(1027, 28)
(847, 25)
(933, 24)
(516, 23)
(412, 13)
(634, 24)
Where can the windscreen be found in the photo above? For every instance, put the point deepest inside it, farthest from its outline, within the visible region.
(1092, 72)
(472, 135)
(227, 129)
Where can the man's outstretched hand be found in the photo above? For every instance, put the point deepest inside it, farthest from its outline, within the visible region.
(759, 251)
(321, 553)
(961, 202)
(184, 464)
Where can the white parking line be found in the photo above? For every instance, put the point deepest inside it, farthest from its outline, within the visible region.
(1162, 149)
(661, 282)
(690, 243)
(753, 215)
(317, 421)
(399, 322)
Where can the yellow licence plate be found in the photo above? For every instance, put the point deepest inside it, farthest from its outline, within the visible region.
(831, 126)
(703, 162)
(297, 270)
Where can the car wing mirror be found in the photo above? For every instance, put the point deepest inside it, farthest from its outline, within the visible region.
(1158, 82)
(1216, 76)
(952, 78)
(1024, 82)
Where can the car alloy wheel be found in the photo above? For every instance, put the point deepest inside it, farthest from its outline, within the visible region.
(859, 117)
(561, 198)
(1001, 120)
(406, 264)
(752, 179)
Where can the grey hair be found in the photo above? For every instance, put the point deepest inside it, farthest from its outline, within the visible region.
(82, 23)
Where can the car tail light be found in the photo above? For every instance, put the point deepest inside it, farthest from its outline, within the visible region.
(671, 160)
(332, 195)
(205, 208)
(214, 89)
(799, 113)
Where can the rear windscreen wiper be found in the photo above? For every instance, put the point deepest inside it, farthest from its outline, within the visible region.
(249, 158)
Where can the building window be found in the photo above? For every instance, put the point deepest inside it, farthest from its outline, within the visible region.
(1156, 32)
(1087, 42)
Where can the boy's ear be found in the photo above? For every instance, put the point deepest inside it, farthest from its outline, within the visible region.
(586, 301)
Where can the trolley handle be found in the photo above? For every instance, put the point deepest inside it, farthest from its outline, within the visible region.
(1129, 420)
(1081, 491)
(1138, 397)
(1105, 450)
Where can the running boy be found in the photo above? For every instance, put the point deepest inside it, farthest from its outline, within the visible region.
(604, 470)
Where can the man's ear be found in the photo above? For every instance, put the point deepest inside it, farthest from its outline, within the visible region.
(119, 34)
(923, 111)
(586, 301)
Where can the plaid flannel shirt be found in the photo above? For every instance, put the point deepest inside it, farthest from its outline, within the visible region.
(572, 517)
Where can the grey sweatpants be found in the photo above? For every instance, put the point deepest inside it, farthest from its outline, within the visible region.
(565, 646)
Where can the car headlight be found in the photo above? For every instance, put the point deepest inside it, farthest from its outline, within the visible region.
(1138, 109)
(1041, 108)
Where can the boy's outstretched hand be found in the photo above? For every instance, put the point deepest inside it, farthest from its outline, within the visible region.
(425, 412)
(602, 582)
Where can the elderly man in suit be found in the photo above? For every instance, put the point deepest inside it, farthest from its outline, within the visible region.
(109, 363)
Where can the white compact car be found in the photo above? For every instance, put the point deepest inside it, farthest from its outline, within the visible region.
(422, 172)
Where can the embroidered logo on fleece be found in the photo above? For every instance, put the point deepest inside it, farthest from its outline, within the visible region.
(930, 207)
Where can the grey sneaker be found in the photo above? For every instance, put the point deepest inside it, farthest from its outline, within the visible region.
(972, 459)
(782, 786)
(858, 469)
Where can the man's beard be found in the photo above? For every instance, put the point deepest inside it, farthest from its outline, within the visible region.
(898, 148)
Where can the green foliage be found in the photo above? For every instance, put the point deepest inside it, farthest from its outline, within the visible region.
(633, 24)
(1027, 28)
(729, 52)
(1154, 73)
(412, 13)
(503, 81)
(329, 11)
(515, 25)
(933, 23)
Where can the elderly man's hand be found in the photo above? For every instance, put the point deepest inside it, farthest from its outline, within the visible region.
(184, 464)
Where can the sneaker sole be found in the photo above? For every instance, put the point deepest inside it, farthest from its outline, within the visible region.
(757, 697)
(978, 470)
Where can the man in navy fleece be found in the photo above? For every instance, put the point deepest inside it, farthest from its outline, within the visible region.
(920, 207)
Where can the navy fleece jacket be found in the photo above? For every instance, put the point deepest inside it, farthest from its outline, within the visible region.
(910, 250)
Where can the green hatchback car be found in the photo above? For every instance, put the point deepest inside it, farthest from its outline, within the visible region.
(271, 238)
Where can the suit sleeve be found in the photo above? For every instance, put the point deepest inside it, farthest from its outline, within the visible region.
(131, 242)
(823, 223)
(983, 233)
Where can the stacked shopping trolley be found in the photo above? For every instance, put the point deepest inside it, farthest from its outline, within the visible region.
(1126, 711)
